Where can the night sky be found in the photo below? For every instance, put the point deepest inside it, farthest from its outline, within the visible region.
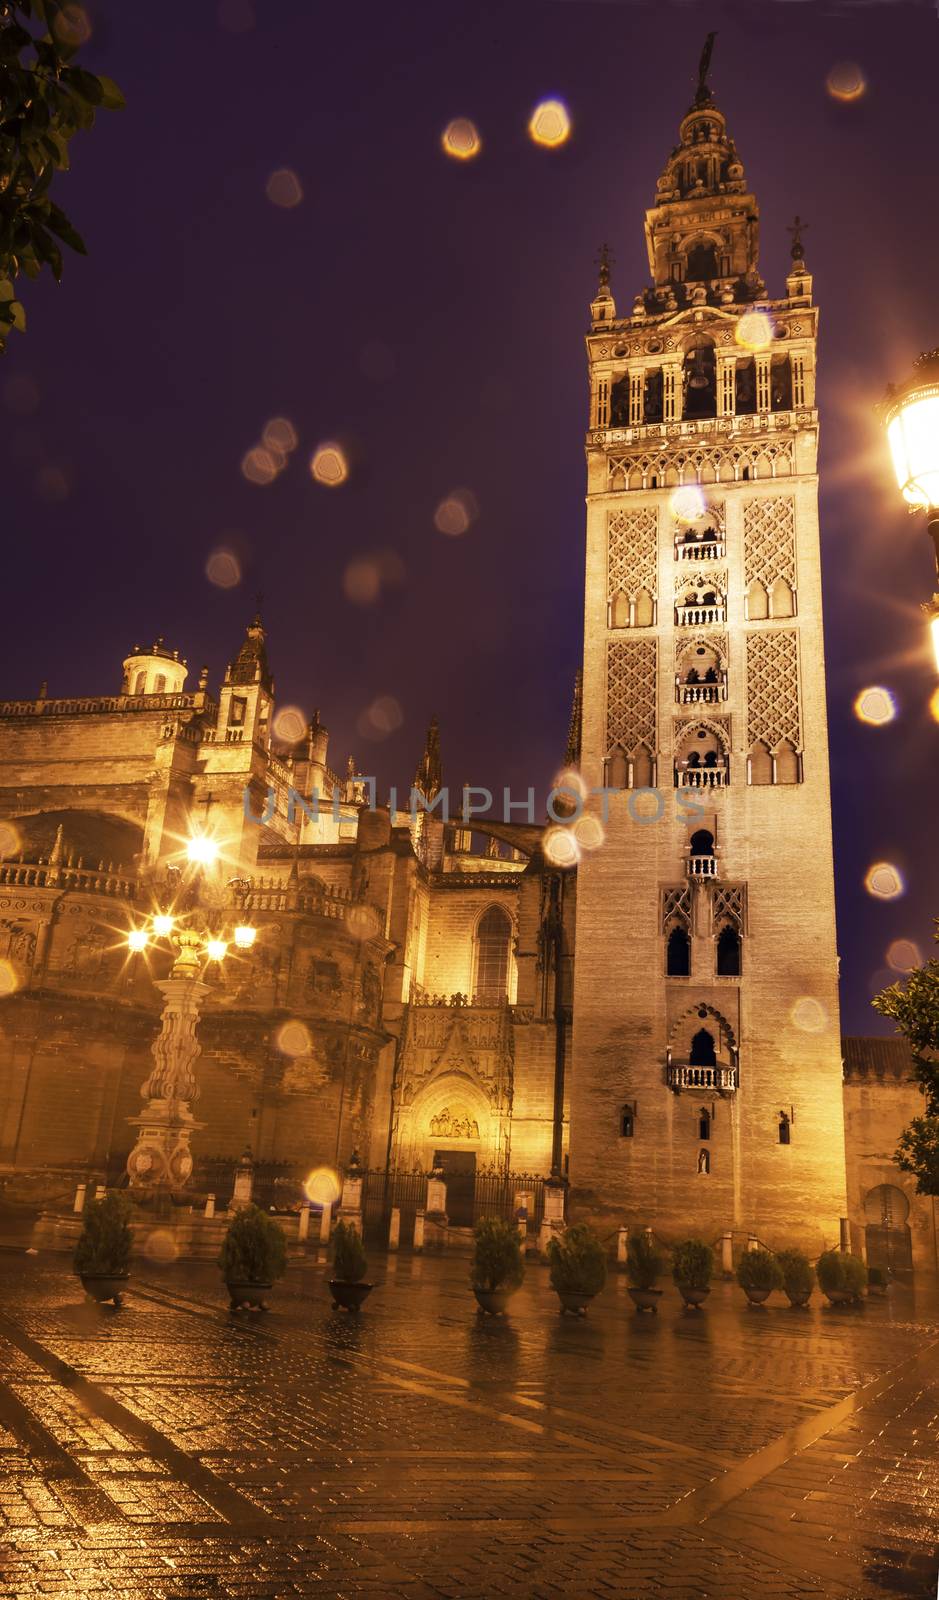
(430, 314)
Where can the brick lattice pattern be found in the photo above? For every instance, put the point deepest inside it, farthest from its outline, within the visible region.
(769, 545)
(773, 688)
(633, 552)
(630, 704)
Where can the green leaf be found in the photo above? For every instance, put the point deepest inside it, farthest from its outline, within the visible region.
(83, 83)
(19, 315)
(58, 222)
(111, 96)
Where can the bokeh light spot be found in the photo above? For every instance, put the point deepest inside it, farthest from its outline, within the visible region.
(293, 1038)
(934, 705)
(159, 1245)
(561, 847)
(572, 782)
(903, 955)
(9, 982)
(383, 717)
(279, 435)
(884, 881)
(456, 512)
(290, 724)
(589, 832)
(284, 188)
(460, 139)
(223, 568)
(846, 81)
(11, 842)
(329, 465)
(261, 465)
(875, 706)
(362, 922)
(687, 504)
(361, 582)
(808, 1015)
(322, 1186)
(754, 331)
(550, 123)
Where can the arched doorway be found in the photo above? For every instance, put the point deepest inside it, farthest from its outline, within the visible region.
(889, 1244)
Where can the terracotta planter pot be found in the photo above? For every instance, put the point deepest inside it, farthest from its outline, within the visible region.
(493, 1301)
(645, 1299)
(249, 1295)
(694, 1298)
(574, 1304)
(801, 1299)
(348, 1296)
(105, 1285)
(756, 1297)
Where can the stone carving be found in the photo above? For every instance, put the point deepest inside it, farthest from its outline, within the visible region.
(632, 552)
(631, 694)
(17, 943)
(769, 532)
(161, 1157)
(773, 688)
(676, 908)
(454, 1125)
(718, 463)
(86, 956)
(729, 905)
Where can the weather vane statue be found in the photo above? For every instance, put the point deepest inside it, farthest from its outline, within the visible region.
(704, 66)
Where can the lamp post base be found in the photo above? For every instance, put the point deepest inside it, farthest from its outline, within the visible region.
(161, 1157)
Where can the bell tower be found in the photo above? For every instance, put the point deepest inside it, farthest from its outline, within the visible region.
(706, 1086)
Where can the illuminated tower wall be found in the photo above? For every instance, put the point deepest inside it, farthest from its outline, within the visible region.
(706, 1087)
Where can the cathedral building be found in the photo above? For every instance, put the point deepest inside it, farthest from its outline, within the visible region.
(652, 1023)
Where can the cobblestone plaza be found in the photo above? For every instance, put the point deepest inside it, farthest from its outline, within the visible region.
(422, 1450)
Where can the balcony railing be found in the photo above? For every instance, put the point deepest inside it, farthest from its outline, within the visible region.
(699, 694)
(695, 616)
(700, 550)
(683, 1076)
(702, 866)
(703, 777)
(46, 875)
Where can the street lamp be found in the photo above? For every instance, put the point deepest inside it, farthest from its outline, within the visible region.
(911, 417)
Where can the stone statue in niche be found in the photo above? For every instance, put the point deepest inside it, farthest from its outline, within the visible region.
(454, 1126)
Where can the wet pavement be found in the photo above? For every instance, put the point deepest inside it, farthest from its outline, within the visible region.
(422, 1450)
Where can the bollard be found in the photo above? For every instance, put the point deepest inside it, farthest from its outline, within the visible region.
(210, 1205)
(727, 1253)
(394, 1228)
(303, 1224)
(325, 1224)
(418, 1230)
(622, 1246)
(100, 1192)
(844, 1242)
(753, 1242)
(80, 1193)
(545, 1236)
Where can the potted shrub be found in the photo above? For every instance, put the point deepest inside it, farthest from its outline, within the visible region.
(253, 1254)
(842, 1276)
(577, 1262)
(349, 1268)
(877, 1282)
(758, 1274)
(798, 1276)
(497, 1268)
(102, 1250)
(644, 1266)
(692, 1265)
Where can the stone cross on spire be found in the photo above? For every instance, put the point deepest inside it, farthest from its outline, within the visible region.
(797, 228)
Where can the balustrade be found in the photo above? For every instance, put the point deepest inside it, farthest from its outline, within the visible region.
(684, 1076)
(703, 777)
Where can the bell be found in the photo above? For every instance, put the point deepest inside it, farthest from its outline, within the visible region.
(698, 379)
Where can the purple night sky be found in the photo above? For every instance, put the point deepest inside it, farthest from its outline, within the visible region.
(432, 312)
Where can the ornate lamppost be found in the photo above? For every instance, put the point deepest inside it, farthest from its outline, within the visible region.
(911, 417)
(161, 1157)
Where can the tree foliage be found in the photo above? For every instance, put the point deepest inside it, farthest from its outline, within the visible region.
(914, 1006)
(45, 98)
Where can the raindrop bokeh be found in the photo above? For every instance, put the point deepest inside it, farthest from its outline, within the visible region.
(290, 724)
(808, 1015)
(846, 81)
(460, 139)
(903, 955)
(875, 706)
(284, 189)
(550, 124)
(884, 881)
(456, 513)
(329, 465)
(223, 568)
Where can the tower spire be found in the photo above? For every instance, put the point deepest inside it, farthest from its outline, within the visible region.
(428, 779)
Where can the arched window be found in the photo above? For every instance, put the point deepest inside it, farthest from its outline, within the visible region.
(159, 683)
(702, 842)
(678, 954)
(757, 602)
(492, 957)
(642, 769)
(781, 383)
(702, 1050)
(728, 952)
(780, 599)
(652, 401)
(761, 763)
(645, 610)
(702, 263)
(619, 403)
(700, 381)
(617, 770)
(627, 1125)
(784, 1128)
(704, 1161)
(787, 764)
(704, 1123)
(140, 683)
(745, 387)
(619, 611)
